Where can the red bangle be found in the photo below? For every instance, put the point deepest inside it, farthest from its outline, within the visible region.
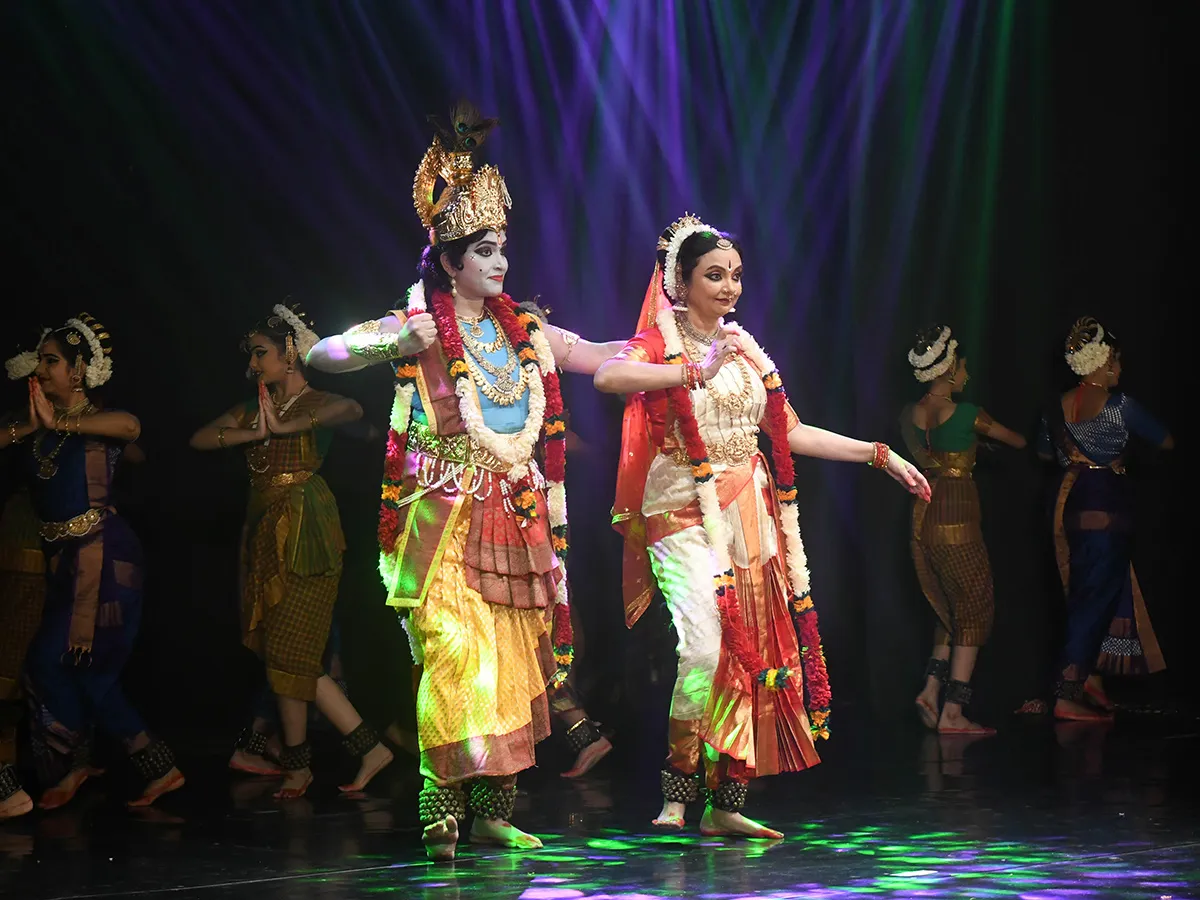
(883, 454)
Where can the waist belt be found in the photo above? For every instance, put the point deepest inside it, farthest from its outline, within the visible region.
(737, 451)
(453, 448)
(78, 527)
(280, 479)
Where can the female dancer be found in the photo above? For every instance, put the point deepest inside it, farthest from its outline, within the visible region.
(947, 544)
(696, 493)
(292, 549)
(473, 537)
(94, 568)
(1086, 432)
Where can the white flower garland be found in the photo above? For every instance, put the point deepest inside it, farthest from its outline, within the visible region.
(99, 370)
(306, 338)
(1091, 356)
(710, 503)
(923, 368)
(25, 364)
(514, 450)
(681, 234)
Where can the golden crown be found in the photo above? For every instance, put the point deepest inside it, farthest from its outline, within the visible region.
(473, 199)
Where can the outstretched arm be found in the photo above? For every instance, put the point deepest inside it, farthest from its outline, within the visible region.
(375, 341)
(806, 440)
(573, 354)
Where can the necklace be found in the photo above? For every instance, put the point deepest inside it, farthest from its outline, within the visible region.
(472, 323)
(735, 403)
(1102, 387)
(931, 395)
(506, 390)
(477, 345)
(47, 467)
(693, 332)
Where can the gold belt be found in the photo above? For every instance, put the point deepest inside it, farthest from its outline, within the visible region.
(737, 451)
(952, 472)
(281, 479)
(454, 448)
(77, 527)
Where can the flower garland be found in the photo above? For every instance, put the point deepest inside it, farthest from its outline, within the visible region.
(923, 368)
(306, 338)
(1085, 355)
(99, 370)
(546, 418)
(802, 611)
(25, 363)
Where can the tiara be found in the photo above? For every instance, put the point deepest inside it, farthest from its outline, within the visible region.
(473, 199)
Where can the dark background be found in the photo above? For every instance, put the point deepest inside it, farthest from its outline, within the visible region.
(176, 169)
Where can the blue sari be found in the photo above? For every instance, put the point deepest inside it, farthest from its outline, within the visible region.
(1108, 626)
(93, 602)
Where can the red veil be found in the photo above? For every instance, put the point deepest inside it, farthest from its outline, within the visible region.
(637, 452)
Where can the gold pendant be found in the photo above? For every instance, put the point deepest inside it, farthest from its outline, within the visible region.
(476, 330)
(47, 469)
(505, 384)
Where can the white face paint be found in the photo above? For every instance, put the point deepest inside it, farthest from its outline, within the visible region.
(484, 266)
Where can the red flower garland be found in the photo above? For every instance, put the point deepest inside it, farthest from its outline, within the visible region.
(817, 694)
(518, 327)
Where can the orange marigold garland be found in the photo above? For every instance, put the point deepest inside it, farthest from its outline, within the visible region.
(524, 333)
(803, 614)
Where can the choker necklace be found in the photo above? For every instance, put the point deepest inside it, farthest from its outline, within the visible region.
(693, 332)
(74, 410)
(1103, 387)
(472, 323)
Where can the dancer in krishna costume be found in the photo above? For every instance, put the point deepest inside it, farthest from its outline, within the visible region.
(473, 532)
(93, 600)
(1086, 432)
(948, 551)
(718, 527)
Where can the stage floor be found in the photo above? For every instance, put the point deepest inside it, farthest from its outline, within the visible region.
(1041, 811)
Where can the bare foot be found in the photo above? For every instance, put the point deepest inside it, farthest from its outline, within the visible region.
(295, 783)
(403, 738)
(441, 838)
(1072, 711)
(172, 781)
(503, 834)
(957, 723)
(1094, 688)
(718, 822)
(61, 793)
(374, 761)
(927, 704)
(588, 757)
(253, 764)
(16, 805)
(671, 816)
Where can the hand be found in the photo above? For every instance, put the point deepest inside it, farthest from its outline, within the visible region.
(909, 476)
(40, 409)
(726, 345)
(261, 428)
(418, 333)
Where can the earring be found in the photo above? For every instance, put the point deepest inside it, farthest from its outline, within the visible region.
(76, 384)
(453, 288)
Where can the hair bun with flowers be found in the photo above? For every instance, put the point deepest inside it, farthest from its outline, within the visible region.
(99, 367)
(679, 230)
(301, 327)
(1086, 349)
(934, 353)
(25, 363)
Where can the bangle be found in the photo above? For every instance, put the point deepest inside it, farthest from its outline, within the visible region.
(221, 436)
(312, 417)
(883, 454)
